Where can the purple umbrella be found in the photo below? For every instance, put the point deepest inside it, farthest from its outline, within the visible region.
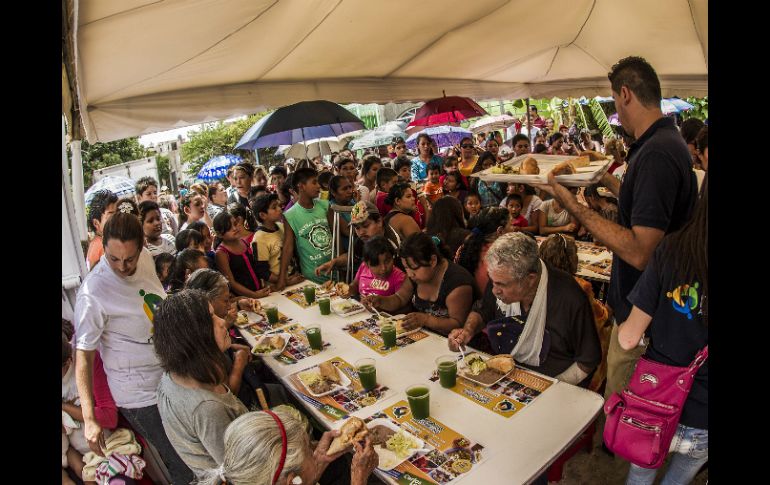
(444, 136)
(614, 120)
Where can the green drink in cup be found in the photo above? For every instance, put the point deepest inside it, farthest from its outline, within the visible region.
(324, 304)
(313, 333)
(388, 332)
(447, 370)
(367, 373)
(309, 294)
(418, 396)
(271, 311)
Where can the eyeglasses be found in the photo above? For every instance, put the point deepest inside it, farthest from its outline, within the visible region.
(467, 146)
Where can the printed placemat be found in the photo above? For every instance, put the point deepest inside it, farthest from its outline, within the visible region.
(451, 457)
(297, 295)
(258, 328)
(368, 333)
(506, 398)
(339, 404)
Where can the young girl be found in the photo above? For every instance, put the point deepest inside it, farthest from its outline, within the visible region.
(243, 220)
(341, 193)
(154, 241)
(490, 193)
(187, 261)
(455, 187)
(235, 259)
(560, 251)
(164, 267)
(192, 207)
(553, 218)
(514, 208)
(472, 204)
(376, 275)
(432, 188)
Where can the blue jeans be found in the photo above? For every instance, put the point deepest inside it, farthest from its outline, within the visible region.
(691, 450)
(146, 421)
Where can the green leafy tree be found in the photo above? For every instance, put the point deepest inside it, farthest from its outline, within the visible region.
(164, 170)
(700, 108)
(103, 155)
(218, 139)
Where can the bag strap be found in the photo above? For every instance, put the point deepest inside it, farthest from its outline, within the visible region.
(700, 359)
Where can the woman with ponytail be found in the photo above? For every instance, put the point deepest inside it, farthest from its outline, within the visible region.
(439, 291)
(486, 227)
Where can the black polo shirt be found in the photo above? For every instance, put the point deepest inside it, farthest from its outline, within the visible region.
(658, 190)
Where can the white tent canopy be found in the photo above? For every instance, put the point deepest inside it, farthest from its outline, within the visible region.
(143, 66)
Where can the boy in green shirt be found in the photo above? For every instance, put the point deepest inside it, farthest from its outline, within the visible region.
(308, 227)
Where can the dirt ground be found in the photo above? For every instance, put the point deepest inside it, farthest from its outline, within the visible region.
(599, 468)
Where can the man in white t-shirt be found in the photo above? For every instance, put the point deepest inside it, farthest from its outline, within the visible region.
(113, 314)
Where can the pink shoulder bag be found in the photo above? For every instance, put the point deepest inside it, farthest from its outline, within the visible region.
(642, 419)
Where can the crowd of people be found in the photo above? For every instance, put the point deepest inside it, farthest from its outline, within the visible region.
(153, 323)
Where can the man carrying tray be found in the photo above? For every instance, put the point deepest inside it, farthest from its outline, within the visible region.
(535, 312)
(656, 197)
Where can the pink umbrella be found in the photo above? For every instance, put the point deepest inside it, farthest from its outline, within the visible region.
(446, 110)
(614, 120)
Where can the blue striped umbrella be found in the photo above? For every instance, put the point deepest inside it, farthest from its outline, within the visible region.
(216, 168)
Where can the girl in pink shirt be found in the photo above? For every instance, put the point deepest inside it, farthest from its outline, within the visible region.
(377, 275)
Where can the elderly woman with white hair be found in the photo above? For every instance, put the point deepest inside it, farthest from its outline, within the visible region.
(274, 448)
(535, 312)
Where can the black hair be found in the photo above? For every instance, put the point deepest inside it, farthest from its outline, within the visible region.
(342, 161)
(433, 166)
(591, 191)
(184, 262)
(702, 140)
(368, 162)
(187, 236)
(426, 136)
(160, 260)
(402, 161)
(690, 129)
(376, 246)
(246, 167)
(287, 187)
(487, 155)
(334, 185)
(540, 148)
(223, 222)
(184, 338)
(239, 210)
(515, 197)
(143, 183)
(450, 160)
(396, 140)
(528, 190)
(396, 192)
(255, 191)
(145, 207)
(324, 178)
(301, 176)
(384, 175)
(519, 137)
(470, 139)
(483, 224)
(123, 227)
(197, 226)
(420, 247)
(556, 136)
(458, 177)
(262, 204)
(639, 77)
(472, 193)
(213, 190)
(686, 250)
(99, 203)
(447, 215)
(279, 170)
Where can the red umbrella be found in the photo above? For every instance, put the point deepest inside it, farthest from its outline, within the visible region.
(445, 110)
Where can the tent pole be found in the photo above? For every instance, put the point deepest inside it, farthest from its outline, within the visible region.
(529, 121)
(77, 189)
(256, 153)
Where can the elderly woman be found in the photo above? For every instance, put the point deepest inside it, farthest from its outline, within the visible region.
(558, 338)
(272, 447)
(194, 401)
(440, 291)
(114, 313)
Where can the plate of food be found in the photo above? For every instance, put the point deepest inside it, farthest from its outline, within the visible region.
(273, 344)
(392, 444)
(398, 321)
(571, 171)
(347, 306)
(246, 318)
(330, 287)
(485, 371)
(323, 379)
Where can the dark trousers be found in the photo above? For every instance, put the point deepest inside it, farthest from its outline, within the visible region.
(146, 421)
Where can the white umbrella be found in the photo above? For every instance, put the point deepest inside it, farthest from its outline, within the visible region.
(314, 148)
(491, 123)
(120, 186)
(382, 135)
